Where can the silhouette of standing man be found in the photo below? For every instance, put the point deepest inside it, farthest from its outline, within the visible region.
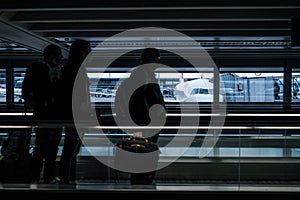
(72, 142)
(140, 102)
(39, 89)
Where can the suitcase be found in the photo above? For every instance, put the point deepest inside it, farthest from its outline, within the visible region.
(15, 165)
(146, 158)
(15, 170)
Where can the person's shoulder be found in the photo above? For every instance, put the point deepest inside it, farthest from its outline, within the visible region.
(136, 74)
(65, 73)
(37, 66)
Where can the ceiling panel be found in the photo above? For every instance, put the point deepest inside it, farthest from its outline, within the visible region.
(258, 24)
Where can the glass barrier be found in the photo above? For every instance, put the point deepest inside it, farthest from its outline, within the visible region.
(238, 155)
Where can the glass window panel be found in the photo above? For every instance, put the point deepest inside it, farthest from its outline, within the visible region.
(262, 143)
(2, 85)
(175, 87)
(252, 87)
(19, 74)
(295, 87)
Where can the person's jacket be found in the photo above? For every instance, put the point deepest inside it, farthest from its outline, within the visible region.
(142, 99)
(39, 90)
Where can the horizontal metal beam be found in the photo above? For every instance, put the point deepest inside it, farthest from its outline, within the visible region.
(154, 15)
(25, 38)
(177, 25)
(9, 5)
(195, 33)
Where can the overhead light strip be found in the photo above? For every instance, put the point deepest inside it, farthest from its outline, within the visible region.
(154, 8)
(194, 114)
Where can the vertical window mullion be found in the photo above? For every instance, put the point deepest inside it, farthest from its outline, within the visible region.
(287, 94)
(9, 85)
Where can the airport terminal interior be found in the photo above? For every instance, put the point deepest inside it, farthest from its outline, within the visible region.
(229, 74)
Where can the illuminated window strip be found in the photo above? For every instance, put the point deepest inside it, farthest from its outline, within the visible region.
(263, 115)
(192, 114)
(229, 115)
(15, 114)
(195, 114)
(160, 127)
(195, 127)
(15, 127)
(234, 114)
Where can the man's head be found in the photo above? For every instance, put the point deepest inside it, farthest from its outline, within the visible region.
(53, 55)
(150, 55)
(79, 50)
